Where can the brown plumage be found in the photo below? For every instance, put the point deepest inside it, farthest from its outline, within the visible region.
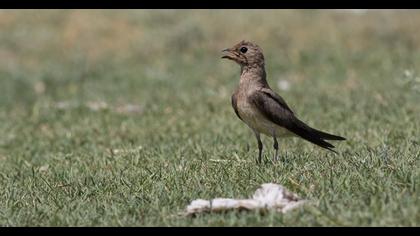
(264, 111)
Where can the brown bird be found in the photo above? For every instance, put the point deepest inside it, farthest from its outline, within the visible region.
(263, 110)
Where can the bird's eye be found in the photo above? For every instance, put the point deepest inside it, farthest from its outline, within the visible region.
(243, 49)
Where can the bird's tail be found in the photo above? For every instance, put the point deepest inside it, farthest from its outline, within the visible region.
(326, 136)
(315, 136)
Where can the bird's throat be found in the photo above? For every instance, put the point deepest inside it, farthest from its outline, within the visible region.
(254, 75)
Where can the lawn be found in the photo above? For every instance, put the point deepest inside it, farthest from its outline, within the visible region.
(123, 117)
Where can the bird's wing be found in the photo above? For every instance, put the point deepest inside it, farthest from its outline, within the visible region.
(275, 109)
(276, 97)
(235, 106)
(272, 106)
(280, 100)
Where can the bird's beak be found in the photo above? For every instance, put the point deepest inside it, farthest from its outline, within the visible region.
(227, 53)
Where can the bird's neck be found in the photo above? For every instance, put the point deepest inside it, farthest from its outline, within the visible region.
(253, 75)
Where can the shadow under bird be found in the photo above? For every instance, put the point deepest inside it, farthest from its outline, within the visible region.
(263, 110)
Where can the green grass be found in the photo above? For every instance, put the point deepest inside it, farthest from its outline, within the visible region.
(354, 75)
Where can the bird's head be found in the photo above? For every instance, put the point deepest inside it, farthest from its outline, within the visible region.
(245, 54)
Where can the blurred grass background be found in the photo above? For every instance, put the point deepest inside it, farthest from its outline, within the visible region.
(95, 103)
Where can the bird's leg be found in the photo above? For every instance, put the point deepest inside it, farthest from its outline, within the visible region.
(276, 147)
(260, 147)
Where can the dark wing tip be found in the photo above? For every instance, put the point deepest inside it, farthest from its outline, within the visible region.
(334, 137)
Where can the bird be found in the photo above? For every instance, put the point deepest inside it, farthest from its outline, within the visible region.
(262, 109)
